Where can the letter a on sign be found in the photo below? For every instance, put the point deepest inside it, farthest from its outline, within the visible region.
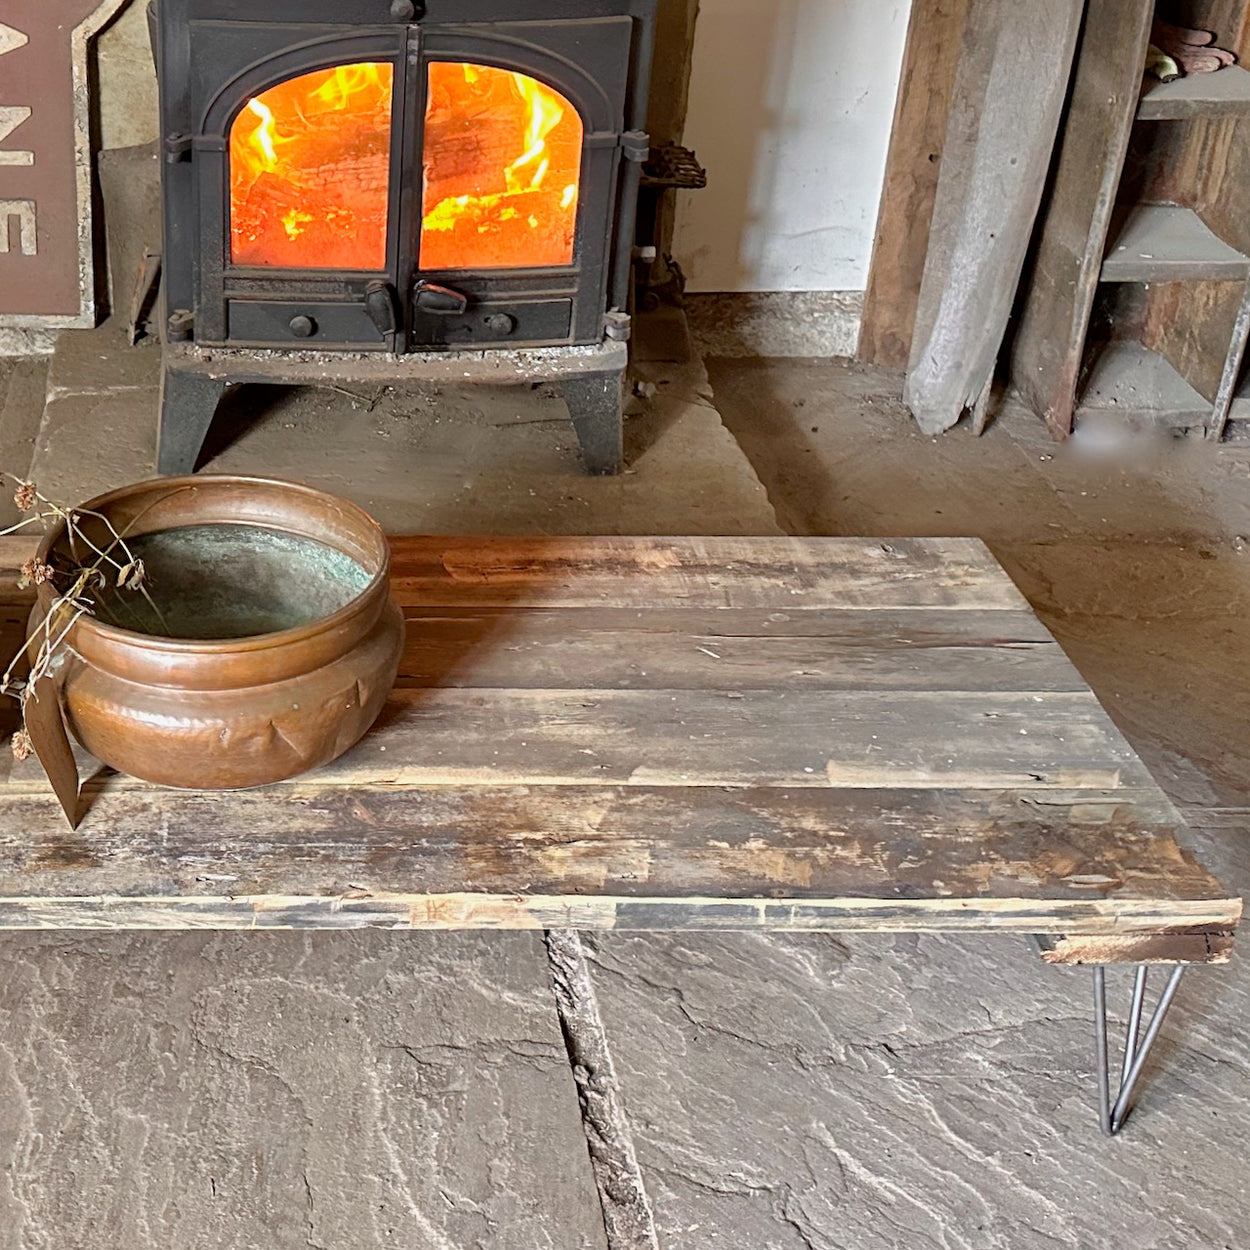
(47, 267)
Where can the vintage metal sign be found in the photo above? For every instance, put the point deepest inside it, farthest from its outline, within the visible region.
(46, 268)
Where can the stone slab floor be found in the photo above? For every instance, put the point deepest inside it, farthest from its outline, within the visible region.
(782, 1093)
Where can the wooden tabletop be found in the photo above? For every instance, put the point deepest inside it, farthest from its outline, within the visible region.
(654, 733)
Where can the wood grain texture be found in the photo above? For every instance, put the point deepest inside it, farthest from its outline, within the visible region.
(1190, 324)
(1009, 94)
(1214, 946)
(1074, 220)
(839, 734)
(687, 649)
(787, 574)
(935, 37)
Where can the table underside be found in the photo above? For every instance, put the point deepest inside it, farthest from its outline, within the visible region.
(654, 733)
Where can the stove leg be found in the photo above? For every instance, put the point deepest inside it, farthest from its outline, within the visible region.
(188, 402)
(595, 402)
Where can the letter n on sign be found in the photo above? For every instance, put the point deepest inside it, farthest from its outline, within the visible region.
(47, 272)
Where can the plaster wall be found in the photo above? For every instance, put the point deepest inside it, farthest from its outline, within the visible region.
(126, 81)
(790, 108)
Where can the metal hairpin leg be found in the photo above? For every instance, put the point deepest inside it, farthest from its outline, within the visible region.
(1111, 1115)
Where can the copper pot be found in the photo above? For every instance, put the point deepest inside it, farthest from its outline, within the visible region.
(226, 713)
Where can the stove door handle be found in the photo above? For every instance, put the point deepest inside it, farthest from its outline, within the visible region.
(443, 301)
(380, 305)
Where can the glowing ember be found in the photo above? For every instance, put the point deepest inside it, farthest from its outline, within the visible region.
(310, 171)
(503, 156)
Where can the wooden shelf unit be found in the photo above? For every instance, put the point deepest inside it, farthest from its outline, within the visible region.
(1223, 94)
(1148, 192)
(1167, 243)
(1133, 384)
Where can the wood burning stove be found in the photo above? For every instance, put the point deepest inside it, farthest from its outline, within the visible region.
(386, 190)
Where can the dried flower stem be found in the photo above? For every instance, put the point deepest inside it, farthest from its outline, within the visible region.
(42, 647)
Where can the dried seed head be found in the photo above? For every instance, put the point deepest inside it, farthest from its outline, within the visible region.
(25, 497)
(36, 572)
(23, 747)
(130, 576)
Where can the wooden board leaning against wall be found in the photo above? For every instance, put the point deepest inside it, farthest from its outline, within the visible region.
(936, 227)
(1006, 109)
(935, 37)
(1059, 285)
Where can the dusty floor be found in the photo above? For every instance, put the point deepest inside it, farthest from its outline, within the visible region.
(783, 1093)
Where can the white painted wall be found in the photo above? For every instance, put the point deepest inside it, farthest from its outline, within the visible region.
(790, 109)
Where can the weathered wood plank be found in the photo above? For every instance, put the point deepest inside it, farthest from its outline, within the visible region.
(1212, 945)
(1073, 223)
(732, 737)
(683, 738)
(784, 574)
(564, 911)
(320, 839)
(789, 574)
(814, 650)
(935, 36)
(685, 650)
(1009, 95)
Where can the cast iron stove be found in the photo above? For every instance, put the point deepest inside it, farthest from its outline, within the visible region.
(383, 190)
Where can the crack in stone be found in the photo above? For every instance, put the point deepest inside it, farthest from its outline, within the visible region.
(308, 1192)
(539, 1055)
(627, 1217)
(797, 1222)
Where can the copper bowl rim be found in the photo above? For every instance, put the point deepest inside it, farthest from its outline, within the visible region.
(224, 646)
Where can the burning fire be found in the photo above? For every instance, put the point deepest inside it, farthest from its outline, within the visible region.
(262, 136)
(486, 210)
(310, 171)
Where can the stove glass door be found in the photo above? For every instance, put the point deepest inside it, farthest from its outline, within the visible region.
(502, 171)
(310, 171)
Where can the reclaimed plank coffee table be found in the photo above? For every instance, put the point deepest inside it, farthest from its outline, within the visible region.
(834, 734)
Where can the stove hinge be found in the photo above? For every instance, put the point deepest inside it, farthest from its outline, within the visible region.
(617, 325)
(636, 145)
(177, 148)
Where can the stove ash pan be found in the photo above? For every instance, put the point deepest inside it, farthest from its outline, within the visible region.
(383, 175)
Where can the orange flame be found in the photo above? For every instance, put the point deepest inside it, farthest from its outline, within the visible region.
(310, 171)
(262, 137)
(545, 115)
(485, 215)
(348, 82)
